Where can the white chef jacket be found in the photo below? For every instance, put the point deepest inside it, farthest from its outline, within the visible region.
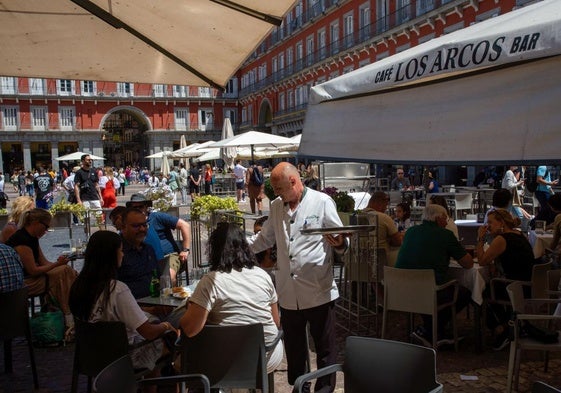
(305, 274)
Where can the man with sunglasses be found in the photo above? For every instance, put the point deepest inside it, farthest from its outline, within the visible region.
(400, 182)
(86, 185)
(139, 258)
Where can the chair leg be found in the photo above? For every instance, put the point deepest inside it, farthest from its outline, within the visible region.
(8, 356)
(517, 369)
(32, 360)
(455, 328)
(511, 361)
(271, 377)
(435, 331)
(545, 361)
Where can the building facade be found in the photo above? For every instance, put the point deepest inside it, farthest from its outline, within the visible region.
(322, 39)
(318, 40)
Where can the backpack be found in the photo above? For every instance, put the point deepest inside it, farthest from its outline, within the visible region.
(3, 200)
(532, 181)
(256, 176)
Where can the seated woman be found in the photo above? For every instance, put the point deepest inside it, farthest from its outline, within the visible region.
(21, 205)
(98, 296)
(40, 275)
(513, 258)
(234, 292)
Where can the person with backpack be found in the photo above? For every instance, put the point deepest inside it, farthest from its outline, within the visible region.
(255, 187)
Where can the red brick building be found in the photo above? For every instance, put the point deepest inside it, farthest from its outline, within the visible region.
(319, 40)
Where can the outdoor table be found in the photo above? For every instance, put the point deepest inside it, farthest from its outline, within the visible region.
(475, 279)
(162, 301)
(539, 242)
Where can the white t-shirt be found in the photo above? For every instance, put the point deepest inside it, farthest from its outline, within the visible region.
(239, 172)
(104, 179)
(122, 306)
(241, 298)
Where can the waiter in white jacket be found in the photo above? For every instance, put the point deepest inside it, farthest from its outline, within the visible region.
(304, 279)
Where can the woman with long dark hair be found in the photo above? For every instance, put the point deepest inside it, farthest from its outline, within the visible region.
(235, 291)
(98, 296)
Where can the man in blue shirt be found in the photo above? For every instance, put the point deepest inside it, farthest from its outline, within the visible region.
(543, 192)
(160, 236)
(139, 259)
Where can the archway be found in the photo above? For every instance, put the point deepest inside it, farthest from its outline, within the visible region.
(265, 116)
(124, 140)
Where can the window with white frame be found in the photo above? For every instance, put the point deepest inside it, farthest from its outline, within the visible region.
(299, 53)
(65, 87)
(204, 92)
(290, 103)
(89, 88)
(282, 101)
(125, 89)
(403, 10)
(262, 71)
(322, 44)
(159, 90)
(244, 115)
(38, 118)
(250, 113)
(230, 114)
(232, 87)
(37, 86)
(10, 115)
(275, 65)
(67, 117)
(334, 37)
(8, 85)
(206, 119)
(181, 119)
(424, 6)
(364, 20)
(349, 30)
(298, 95)
(179, 91)
(281, 61)
(382, 12)
(309, 50)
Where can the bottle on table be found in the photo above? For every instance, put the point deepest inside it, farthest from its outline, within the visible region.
(155, 284)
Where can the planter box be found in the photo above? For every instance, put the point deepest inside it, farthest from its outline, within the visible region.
(61, 220)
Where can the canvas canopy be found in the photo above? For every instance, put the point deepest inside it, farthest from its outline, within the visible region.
(485, 94)
(195, 42)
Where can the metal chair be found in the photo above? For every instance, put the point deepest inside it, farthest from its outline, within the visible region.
(97, 345)
(542, 387)
(230, 356)
(373, 364)
(519, 343)
(420, 297)
(15, 323)
(119, 377)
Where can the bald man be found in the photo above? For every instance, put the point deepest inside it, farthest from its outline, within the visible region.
(304, 279)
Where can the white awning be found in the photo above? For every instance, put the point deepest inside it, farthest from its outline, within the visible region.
(488, 93)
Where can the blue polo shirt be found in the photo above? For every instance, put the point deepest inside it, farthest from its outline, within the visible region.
(137, 267)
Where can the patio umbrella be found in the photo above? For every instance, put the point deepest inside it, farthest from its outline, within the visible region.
(165, 166)
(253, 139)
(193, 150)
(228, 154)
(76, 156)
(183, 145)
(100, 39)
(294, 147)
(159, 154)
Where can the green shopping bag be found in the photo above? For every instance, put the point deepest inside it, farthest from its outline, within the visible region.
(47, 328)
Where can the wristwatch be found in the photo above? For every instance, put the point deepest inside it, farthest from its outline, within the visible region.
(186, 249)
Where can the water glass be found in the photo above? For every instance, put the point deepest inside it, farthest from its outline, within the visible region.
(165, 285)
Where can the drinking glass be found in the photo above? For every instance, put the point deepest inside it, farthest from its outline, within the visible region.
(165, 285)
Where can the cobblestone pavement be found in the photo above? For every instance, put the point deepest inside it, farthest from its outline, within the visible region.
(490, 368)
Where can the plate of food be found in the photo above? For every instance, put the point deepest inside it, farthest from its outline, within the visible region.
(180, 292)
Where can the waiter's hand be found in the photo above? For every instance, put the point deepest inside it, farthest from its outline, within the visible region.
(336, 241)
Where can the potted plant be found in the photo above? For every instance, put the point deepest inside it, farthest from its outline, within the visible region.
(344, 202)
(206, 205)
(61, 213)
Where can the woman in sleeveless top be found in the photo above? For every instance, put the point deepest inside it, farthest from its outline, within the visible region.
(513, 258)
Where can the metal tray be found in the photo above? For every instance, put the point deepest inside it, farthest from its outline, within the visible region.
(337, 230)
